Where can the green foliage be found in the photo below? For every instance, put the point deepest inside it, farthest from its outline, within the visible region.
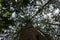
(23, 2)
(19, 5)
(1, 3)
(27, 19)
(6, 13)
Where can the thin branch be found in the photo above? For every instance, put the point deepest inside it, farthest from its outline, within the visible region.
(40, 9)
(53, 24)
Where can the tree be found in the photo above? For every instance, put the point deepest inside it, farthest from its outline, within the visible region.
(25, 11)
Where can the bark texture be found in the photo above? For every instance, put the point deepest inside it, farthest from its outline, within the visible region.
(29, 33)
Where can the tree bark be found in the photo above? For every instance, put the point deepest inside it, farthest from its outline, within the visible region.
(30, 33)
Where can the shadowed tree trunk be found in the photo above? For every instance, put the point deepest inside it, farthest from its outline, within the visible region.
(29, 33)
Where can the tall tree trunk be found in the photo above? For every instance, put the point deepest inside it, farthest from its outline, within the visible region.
(29, 33)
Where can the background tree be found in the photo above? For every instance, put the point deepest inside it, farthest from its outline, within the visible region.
(44, 15)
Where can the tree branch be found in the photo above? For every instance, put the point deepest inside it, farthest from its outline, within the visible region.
(41, 9)
(53, 24)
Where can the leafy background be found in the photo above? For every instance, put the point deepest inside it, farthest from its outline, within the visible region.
(44, 15)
